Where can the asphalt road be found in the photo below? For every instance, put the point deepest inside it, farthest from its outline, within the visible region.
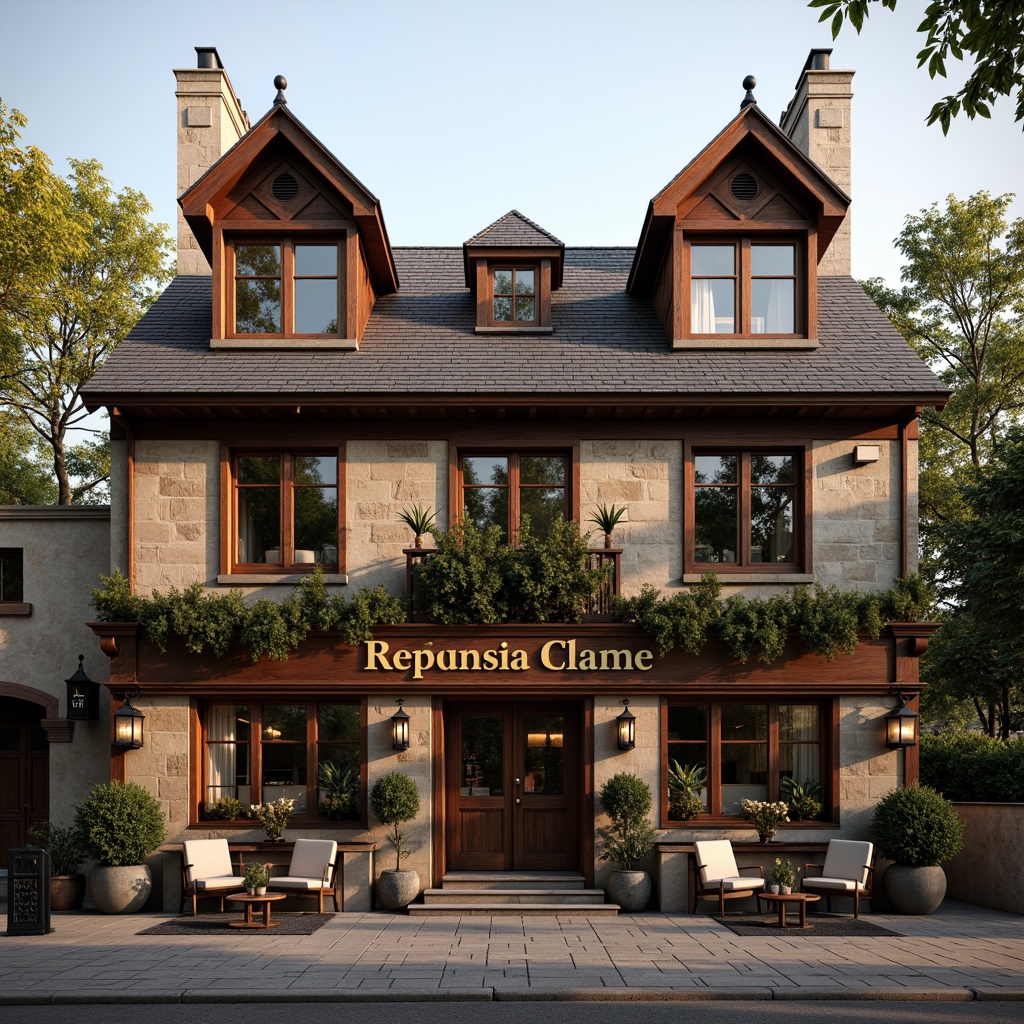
(725, 1012)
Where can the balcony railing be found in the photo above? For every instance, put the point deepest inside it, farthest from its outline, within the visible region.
(598, 606)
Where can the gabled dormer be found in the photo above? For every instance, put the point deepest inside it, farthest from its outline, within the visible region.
(730, 247)
(297, 244)
(512, 267)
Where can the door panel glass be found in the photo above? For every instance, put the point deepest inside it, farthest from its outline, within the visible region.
(543, 755)
(482, 755)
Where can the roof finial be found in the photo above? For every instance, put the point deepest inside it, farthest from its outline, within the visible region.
(748, 83)
(280, 84)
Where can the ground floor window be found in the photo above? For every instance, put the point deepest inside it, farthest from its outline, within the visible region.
(747, 751)
(310, 752)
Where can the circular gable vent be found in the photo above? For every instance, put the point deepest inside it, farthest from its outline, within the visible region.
(285, 188)
(743, 187)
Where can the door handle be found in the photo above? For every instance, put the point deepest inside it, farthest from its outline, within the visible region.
(518, 801)
(517, 782)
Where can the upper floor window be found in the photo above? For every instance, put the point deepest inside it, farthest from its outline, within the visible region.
(745, 509)
(514, 296)
(12, 574)
(285, 511)
(286, 288)
(500, 488)
(743, 288)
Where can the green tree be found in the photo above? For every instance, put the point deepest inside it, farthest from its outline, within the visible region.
(978, 655)
(989, 32)
(55, 335)
(962, 308)
(23, 480)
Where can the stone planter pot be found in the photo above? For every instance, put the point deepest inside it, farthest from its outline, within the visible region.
(914, 890)
(629, 889)
(120, 890)
(397, 889)
(67, 892)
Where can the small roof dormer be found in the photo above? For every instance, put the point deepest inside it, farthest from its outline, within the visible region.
(511, 267)
(297, 243)
(730, 247)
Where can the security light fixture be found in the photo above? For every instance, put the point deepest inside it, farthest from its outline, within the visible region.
(400, 728)
(626, 723)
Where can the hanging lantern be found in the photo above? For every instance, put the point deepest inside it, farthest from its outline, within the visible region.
(400, 728)
(626, 723)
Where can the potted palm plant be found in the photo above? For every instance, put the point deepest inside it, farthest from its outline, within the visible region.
(394, 799)
(67, 854)
(628, 840)
(606, 518)
(685, 784)
(420, 520)
(121, 825)
(916, 828)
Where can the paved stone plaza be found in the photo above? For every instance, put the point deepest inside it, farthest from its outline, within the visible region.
(962, 952)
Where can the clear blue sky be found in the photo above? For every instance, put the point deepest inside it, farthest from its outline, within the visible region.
(452, 112)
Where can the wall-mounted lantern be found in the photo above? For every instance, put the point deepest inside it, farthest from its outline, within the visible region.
(128, 723)
(83, 696)
(626, 725)
(400, 728)
(900, 724)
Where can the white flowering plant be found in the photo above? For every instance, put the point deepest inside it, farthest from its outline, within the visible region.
(765, 815)
(273, 817)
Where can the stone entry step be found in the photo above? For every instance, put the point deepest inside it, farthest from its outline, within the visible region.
(508, 893)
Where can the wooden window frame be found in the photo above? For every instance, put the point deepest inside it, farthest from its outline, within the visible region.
(307, 820)
(805, 290)
(485, 269)
(801, 563)
(287, 243)
(514, 452)
(229, 508)
(828, 719)
(8, 604)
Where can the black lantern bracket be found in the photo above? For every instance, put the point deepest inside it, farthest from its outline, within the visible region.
(900, 723)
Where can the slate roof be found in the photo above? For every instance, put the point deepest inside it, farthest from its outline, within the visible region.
(513, 230)
(421, 341)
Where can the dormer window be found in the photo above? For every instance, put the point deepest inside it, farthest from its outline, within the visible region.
(515, 296)
(744, 287)
(287, 289)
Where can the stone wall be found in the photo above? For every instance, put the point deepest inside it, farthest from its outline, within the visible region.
(161, 766)
(989, 871)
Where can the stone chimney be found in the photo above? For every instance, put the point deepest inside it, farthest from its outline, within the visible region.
(818, 121)
(210, 121)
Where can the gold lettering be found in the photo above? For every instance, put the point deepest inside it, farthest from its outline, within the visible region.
(446, 660)
(610, 660)
(469, 660)
(376, 649)
(504, 655)
(572, 655)
(422, 659)
(545, 655)
(588, 661)
(491, 661)
(643, 660)
(520, 661)
(403, 660)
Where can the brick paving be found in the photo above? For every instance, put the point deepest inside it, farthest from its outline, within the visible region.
(962, 952)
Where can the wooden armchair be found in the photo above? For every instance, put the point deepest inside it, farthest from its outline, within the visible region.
(716, 875)
(847, 871)
(313, 869)
(206, 871)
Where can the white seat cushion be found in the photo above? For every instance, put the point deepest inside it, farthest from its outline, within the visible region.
(219, 882)
(738, 883)
(310, 859)
(832, 884)
(207, 858)
(716, 860)
(292, 882)
(847, 858)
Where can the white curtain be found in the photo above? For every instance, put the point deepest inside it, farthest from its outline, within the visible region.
(780, 308)
(220, 757)
(702, 307)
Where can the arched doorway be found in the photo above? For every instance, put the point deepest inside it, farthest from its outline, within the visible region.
(24, 771)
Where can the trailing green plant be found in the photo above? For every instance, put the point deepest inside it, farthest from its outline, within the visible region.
(829, 620)
(802, 798)
(971, 766)
(394, 799)
(747, 623)
(65, 843)
(213, 621)
(420, 520)
(121, 823)
(226, 808)
(910, 599)
(684, 785)
(629, 839)
(339, 791)
(917, 826)
(681, 620)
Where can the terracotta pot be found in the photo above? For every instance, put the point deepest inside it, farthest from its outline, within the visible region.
(120, 890)
(67, 892)
(914, 890)
(397, 889)
(629, 889)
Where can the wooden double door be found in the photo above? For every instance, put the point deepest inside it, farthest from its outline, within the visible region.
(24, 772)
(513, 779)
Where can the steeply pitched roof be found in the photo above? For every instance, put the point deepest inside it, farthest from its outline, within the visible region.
(513, 230)
(420, 343)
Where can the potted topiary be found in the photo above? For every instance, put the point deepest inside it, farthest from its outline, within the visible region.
(394, 799)
(628, 840)
(121, 824)
(917, 829)
(67, 854)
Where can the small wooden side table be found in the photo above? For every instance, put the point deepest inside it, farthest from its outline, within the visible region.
(255, 901)
(800, 898)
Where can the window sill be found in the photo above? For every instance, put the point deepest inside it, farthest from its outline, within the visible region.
(320, 344)
(717, 342)
(515, 330)
(15, 608)
(240, 579)
(725, 578)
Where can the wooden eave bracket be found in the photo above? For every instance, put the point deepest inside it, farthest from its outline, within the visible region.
(112, 633)
(918, 633)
